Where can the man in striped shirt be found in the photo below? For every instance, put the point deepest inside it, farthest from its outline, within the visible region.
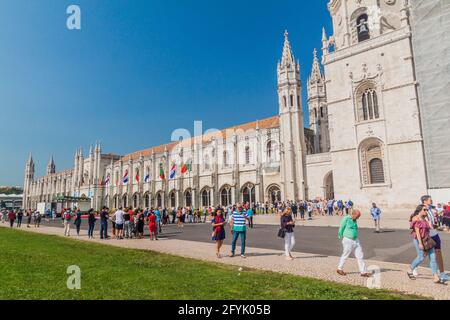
(238, 221)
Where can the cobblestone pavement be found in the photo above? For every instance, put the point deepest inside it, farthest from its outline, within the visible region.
(390, 276)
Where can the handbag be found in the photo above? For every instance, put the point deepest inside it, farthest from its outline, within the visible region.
(428, 244)
(282, 233)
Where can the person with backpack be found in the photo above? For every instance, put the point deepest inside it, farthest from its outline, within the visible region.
(66, 222)
(37, 219)
(91, 222)
(77, 221)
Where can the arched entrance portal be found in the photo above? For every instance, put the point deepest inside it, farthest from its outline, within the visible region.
(274, 194)
(328, 186)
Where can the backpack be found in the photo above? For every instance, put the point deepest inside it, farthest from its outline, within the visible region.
(67, 216)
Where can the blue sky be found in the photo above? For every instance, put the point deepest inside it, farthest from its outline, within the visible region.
(138, 70)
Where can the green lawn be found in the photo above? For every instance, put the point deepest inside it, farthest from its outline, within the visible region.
(34, 266)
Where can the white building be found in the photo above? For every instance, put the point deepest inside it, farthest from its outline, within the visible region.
(364, 143)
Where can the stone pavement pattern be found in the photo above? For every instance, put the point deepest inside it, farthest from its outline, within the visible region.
(392, 276)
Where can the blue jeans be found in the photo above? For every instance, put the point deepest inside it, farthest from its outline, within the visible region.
(104, 230)
(421, 258)
(330, 211)
(236, 235)
(91, 229)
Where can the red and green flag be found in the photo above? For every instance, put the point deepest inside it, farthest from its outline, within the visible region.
(161, 173)
(186, 167)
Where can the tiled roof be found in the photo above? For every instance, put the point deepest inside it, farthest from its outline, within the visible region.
(268, 123)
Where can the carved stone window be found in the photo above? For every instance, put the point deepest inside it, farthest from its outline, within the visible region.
(372, 162)
(367, 103)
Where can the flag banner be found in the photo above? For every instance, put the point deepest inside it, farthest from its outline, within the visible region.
(173, 172)
(147, 178)
(137, 175)
(108, 178)
(125, 179)
(161, 173)
(187, 167)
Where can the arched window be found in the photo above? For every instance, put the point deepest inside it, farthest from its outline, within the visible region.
(248, 194)
(116, 201)
(274, 194)
(173, 199)
(372, 163)
(188, 199)
(159, 200)
(272, 151)
(368, 105)
(125, 200)
(206, 198)
(135, 200)
(225, 159)
(147, 200)
(284, 101)
(292, 100)
(376, 171)
(206, 163)
(362, 27)
(225, 196)
(247, 155)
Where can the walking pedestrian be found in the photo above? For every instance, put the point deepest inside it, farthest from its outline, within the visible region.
(66, 222)
(424, 244)
(152, 226)
(239, 229)
(19, 218)
(348, 233)
(376, 216)
(104, 218)
(91, 222)
(434, 234)
(287, 227)
(250, 217)
(127, 225)
(119, 219)
(77, 222)
(37, 219)
(218, 234)
(29, 216)
(11, 218)
(140, 224)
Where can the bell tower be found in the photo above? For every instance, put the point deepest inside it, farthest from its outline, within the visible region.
(51, 168)
(318, 112)
(292, 135)
(29, 177)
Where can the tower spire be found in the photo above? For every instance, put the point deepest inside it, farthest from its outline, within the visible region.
(30, 158)
(316, 73)
(288, 56)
